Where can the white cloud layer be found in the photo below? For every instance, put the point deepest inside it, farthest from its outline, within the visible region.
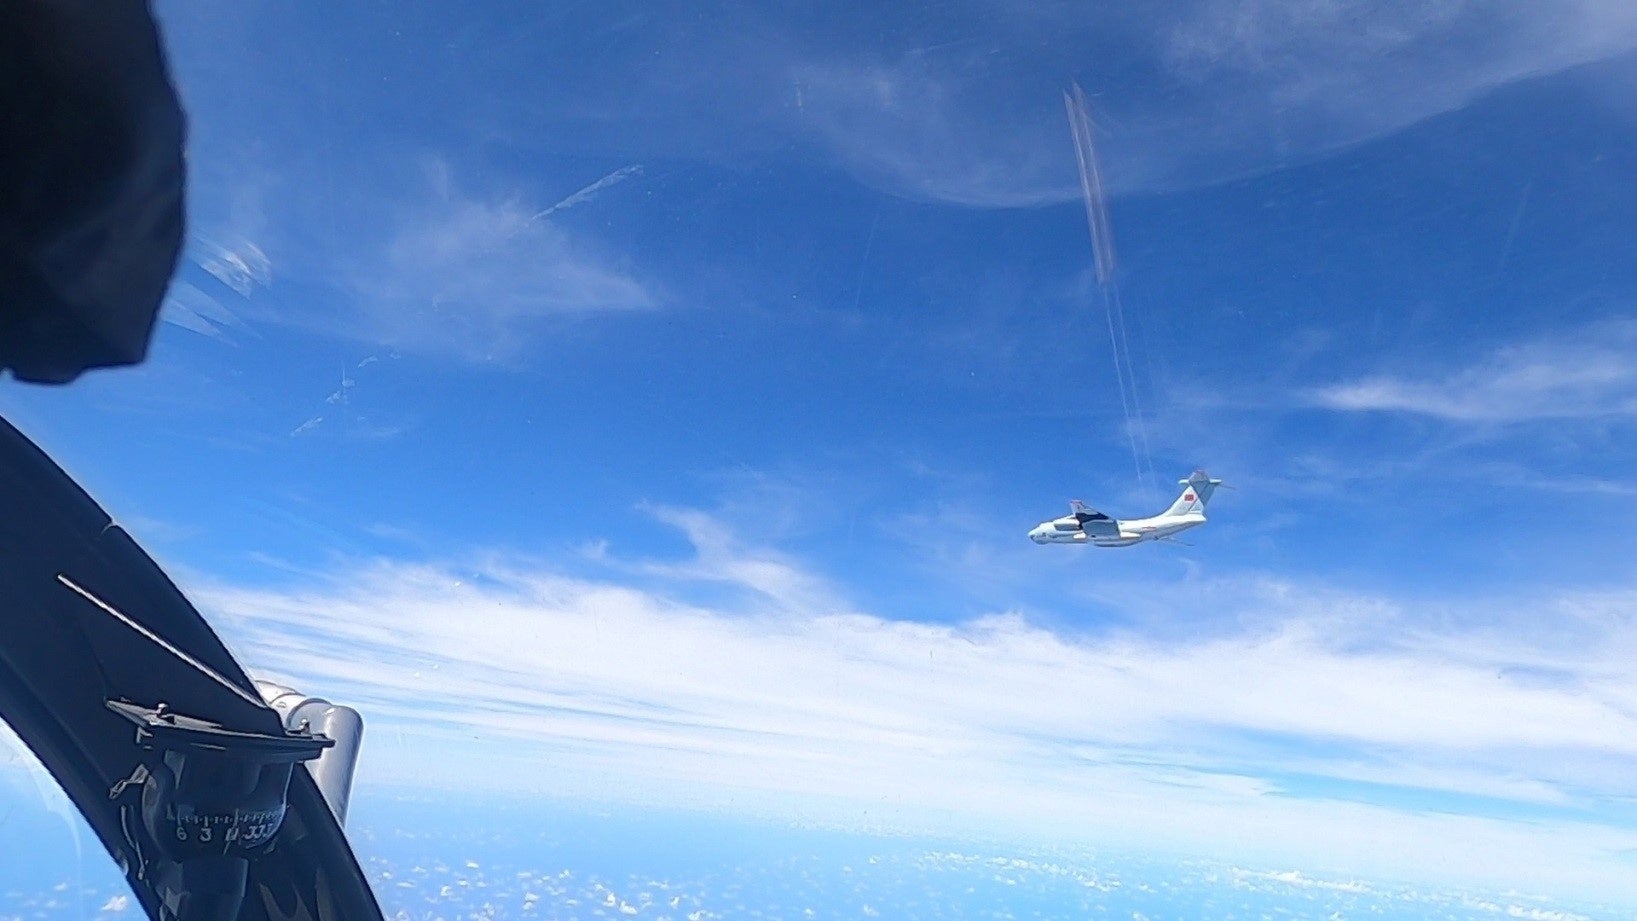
(1588, 374)
(516, 675)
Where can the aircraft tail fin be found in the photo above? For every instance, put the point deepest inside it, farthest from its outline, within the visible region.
(1196, 491)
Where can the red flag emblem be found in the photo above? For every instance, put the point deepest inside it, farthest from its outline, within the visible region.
(1187, 497)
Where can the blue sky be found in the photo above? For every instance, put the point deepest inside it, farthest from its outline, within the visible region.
(666, 392)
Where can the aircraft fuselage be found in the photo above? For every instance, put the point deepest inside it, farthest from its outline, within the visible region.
(1067, 530)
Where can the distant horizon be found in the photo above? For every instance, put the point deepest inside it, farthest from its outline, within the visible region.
(590, 842)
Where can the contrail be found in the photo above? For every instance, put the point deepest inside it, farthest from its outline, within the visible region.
(590, 191)
(1102, 251)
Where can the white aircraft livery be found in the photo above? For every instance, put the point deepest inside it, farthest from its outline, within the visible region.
(1085, 525)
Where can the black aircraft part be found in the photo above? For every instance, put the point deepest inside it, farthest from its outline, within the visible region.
(64, 658)
(91, 184)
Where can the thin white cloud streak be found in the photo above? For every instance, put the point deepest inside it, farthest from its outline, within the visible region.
(619, 691)
(1586, 375)
(589, 192)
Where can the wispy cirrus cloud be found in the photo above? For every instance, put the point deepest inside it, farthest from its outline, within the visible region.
(720, 557)
(473, 273)
(1206, 92)
(962, 105)
(417, 255)
(915, 131)
(786, 698)
(1588, 375)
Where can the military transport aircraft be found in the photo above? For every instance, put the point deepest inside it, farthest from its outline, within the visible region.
(1085, 525)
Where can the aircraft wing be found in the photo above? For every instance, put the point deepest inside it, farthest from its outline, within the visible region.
(1093, 522)
(96, 638)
